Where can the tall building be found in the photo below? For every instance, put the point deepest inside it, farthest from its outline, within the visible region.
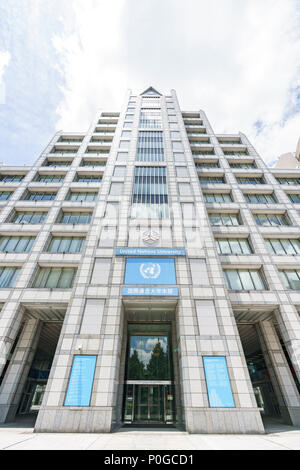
(290, 159)
(150, 274)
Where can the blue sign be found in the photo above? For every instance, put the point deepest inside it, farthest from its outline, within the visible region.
(150, 271)
(218, 383)
(81, 381)
(151, 291)
(150, 251)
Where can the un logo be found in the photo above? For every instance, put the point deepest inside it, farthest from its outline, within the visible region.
(150, 270)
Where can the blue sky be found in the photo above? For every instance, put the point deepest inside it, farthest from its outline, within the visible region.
(60, 61)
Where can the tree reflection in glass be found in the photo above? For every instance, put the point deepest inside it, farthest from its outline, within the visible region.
(149, 358)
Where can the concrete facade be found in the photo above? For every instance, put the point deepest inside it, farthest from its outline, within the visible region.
(274, 310)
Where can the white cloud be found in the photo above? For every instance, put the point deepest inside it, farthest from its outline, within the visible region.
(239, 61)
(4, 61)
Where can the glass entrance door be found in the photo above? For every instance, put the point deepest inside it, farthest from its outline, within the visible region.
(149, 404)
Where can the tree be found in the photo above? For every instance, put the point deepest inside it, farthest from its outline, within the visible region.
(158, 366)
(136, 367)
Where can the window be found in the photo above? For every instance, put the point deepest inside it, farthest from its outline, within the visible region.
(66, 245)
(217, 197)
(81, 196)
(5, 195)
(112, 210)
(212, 180)
(55, 278)
(181, 172)
(150, 193)
(92, 163)
(291, 279)
(199, 166)
(88, 179)
(233, 246)
(11, 178)
(260, 198)
(294, 198)
(244, 279)
(16, 244)
(50, 178)
(283, 246)
(150, 146)
(245, 166)
(55, 163)
(249, 180)
(8, 276)
(150, 118)
(129, 117)
(290, 181)
(120, 171)
(40, 196)
(28, 217)
(76, 218)
(268, 220)
(224, 219)
(116, 189)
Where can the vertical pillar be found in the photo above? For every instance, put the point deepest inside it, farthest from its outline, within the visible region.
(289, 325)
(17, 372)
(282, 380)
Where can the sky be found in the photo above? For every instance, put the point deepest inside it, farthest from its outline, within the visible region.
(63, 60)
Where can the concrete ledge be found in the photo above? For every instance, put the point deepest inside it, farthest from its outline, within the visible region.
(223, 421)
(74, 420)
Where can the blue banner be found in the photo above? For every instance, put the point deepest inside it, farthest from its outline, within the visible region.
(218, 383)
(150, 251)
(150, 271)
(81, 381)
(151, 291)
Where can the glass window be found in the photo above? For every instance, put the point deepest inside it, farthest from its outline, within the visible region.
(53, 278)
(291, 279)
(244, 279)
(75, 218)
(8, 276)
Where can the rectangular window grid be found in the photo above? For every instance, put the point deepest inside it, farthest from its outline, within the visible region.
(150, 194)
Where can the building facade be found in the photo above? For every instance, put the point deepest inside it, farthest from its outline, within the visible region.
(150, 275)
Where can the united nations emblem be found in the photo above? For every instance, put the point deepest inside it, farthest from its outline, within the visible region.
(150, 237)
(150, 270)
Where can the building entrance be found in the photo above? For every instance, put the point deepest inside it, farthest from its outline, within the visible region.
(149, 404)
(37, 378)
(149, 379)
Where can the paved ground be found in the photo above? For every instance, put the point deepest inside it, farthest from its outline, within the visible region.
(20, 436)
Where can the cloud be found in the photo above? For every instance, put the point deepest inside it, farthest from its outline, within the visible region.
(239, 61)
(4, 61)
